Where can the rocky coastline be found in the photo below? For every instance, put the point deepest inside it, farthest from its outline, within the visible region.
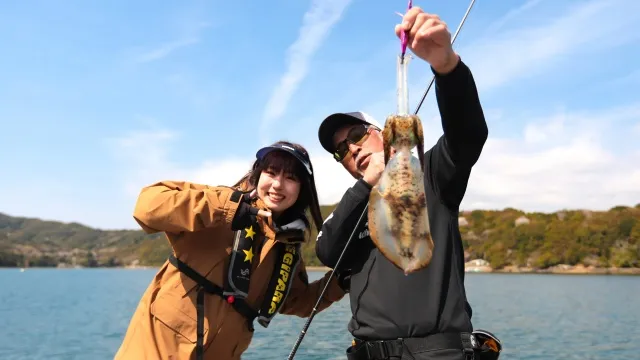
(558, 269)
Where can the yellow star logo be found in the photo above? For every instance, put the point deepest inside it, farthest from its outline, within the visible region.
(249, 254)
(250, 232)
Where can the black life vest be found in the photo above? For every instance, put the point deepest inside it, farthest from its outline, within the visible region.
(288, 258)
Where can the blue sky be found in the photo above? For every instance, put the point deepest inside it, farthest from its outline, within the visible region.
(100, 99)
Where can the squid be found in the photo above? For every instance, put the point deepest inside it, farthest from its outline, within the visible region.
(397, 212)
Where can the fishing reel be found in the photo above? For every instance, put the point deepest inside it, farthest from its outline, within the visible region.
(487, 346)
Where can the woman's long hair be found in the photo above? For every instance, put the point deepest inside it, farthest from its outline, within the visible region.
(280, 160)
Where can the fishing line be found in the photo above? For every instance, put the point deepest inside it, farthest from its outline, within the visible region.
(464, 18)
(346, 246)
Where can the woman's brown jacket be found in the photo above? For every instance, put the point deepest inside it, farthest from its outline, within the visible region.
(196, 220)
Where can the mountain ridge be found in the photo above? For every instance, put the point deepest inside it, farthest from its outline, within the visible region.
(504, 238)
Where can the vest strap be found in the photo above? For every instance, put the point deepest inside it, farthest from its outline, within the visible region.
(206, 286)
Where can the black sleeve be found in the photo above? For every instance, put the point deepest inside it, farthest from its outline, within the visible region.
(339, 225)
(465, 132)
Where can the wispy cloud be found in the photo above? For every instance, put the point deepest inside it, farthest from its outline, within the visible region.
(164, 50)
(511, 15)
(143, 157)
(516, 54)
(560, 160)
(191, 35)
(144, 146)
(317, 23)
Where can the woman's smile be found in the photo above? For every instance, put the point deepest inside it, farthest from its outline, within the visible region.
(275, 197)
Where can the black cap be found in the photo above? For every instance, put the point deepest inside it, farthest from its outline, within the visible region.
(302, 157)
(333, 122)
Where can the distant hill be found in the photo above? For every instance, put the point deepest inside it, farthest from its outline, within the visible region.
(508, 237)
(32, 242)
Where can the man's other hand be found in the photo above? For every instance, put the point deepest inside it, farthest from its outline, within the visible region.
(375, 168)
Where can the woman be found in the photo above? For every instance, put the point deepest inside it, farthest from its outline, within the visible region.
(236, 257)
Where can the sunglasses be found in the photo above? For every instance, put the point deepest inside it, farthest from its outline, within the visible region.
(357, 135)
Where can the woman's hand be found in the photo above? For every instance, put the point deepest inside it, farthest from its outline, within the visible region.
(247, 214)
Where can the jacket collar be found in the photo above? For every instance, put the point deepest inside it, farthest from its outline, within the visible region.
(267, 227)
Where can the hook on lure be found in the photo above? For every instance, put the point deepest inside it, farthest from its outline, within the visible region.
(402, 62)
(404, 36)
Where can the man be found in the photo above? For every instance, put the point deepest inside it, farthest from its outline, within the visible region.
(428, 308)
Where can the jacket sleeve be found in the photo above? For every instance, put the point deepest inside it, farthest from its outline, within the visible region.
(304, 295)
(175, 207)
(339, 225)
(465, 133)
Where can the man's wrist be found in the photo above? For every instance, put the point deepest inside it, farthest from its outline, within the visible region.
(448, 66)
(367, 182)
(363, 181)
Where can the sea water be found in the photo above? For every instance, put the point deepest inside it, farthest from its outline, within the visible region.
(84, 313)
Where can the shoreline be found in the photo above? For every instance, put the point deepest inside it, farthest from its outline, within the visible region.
(577, 270)
(555, 270)
(80, 267)
(135, 267)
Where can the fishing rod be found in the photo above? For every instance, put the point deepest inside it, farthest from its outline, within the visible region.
(346, 246)
(464, 18)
